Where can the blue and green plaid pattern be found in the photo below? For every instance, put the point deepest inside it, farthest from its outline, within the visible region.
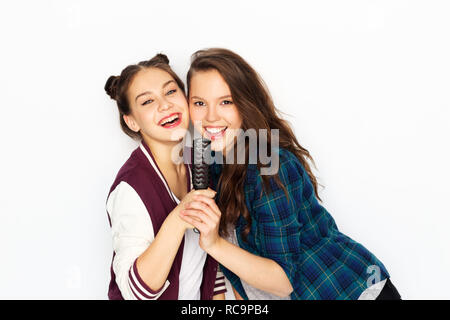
(302, 237)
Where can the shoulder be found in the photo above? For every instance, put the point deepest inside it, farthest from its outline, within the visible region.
(124, 177)
(288, 161)
(274, 198)
(291, 170)
(133, 190)
(284, 165)
(130, 199)
(136, 174)
(275, 208)
(124, 199)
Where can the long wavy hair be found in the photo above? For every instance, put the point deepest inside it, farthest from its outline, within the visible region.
(255, 105)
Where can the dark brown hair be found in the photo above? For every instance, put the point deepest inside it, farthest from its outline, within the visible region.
(117, 86)
(257, 110)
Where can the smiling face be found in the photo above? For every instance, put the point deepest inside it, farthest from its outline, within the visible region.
(159, 109)
(212, 110)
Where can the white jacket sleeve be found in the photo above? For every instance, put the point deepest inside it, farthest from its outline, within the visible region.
(132, 233)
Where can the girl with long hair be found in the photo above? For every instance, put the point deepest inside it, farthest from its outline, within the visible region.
(274, 239)
(156, 254)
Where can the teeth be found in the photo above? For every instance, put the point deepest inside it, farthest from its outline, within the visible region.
(169, 119)
(215, 130)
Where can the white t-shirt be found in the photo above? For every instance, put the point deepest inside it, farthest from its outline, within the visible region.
(191, 272)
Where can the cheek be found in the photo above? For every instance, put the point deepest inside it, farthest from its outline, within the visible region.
(148, 120)
(234, 118)
(181, 101)
(184, 105)
(197, 115)
(148, 116)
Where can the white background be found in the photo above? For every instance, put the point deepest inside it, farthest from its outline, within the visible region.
(365, 84)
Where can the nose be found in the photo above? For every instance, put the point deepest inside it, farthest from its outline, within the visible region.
(164, 105)
(211, 114)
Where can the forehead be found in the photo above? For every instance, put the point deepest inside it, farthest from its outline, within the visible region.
(149, 79)
(208, 84)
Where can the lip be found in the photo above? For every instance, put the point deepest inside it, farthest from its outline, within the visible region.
(176, 123)
(172, 114)
(215, 136)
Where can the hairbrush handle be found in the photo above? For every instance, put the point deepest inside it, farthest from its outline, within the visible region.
(200, 169)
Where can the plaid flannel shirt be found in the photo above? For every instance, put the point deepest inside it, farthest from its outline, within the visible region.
(302, 237)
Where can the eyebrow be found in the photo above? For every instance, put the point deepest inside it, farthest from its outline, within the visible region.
(222, 97)
(149, 92)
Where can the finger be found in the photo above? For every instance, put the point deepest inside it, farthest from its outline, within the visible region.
(206, 192)
(191, 226)
(201, 225)
(194, 222)
(203, 217)
(182, 208)
(202, 206)
(211, 203)
(197, 214)
(189, 220)
(198, 219)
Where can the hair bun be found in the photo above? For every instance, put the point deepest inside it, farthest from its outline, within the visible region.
(111, 86)
(161, 57)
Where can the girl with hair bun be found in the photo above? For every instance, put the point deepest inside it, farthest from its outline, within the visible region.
(156, 254)
(275, 240)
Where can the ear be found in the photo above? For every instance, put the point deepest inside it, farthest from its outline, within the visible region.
(131, 123)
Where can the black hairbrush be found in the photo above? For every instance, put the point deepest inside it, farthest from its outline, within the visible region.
(200, 169)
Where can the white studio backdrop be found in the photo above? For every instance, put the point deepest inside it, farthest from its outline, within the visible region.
(365, 85)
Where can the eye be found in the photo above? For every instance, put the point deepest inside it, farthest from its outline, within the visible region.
(227, 102)
(147, 102)
(171, 92)
(199, 103)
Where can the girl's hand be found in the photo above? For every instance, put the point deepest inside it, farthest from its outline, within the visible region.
(204, 214)
(188, 198)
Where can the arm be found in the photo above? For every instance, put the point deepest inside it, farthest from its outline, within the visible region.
(264, 274)
(155, 262)
(142, 261)
(132, 233)
(275, 268)
(237, 296)
(220, 296)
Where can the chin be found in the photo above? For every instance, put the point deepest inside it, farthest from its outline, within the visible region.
(178, 134)
(175, 135)
(218, 146)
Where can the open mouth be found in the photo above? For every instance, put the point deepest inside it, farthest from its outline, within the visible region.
(170, 121)
(214, 133)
